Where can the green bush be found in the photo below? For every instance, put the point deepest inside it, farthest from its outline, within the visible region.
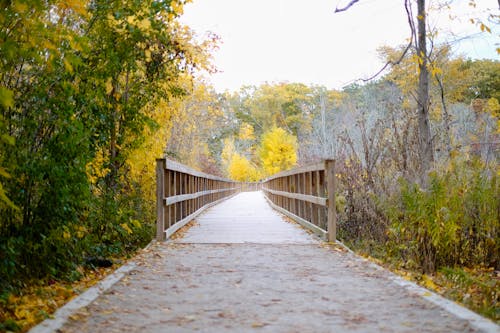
(455, 221)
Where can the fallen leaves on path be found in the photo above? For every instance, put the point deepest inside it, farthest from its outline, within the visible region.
(258, 325)
(23, 310)
(182, 231)
(477, 288)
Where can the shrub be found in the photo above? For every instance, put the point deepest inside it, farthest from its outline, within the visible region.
(455, 221)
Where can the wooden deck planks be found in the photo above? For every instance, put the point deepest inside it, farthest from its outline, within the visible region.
(245, 218)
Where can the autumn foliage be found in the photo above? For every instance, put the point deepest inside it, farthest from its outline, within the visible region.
(89, 93)
(278, 151)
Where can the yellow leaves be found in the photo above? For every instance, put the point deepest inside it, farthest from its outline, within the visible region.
(115, 24)
(484, 28)
(278, 151)
(199, 53)
(109, 86)
(78, 6)
(75, 45)
(136, 223)
(126, 228)
(428, 282)
(147, 53)
(47, 44)
(36, 303)
(179, 234)
(336, 97)
(240, 169)
(144, 24)
(24, 314)
(111, 19)
(435, 71)
(176, 9)
(246, 132)
(68, 66)
(78, 231)
(131, 19)
(6, 97)
(493, 107)
(97, 169)
(20, 7)
(227, 151)
(420, 58)
(81, 231)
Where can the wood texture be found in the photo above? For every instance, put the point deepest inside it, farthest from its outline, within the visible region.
(307, 195)
(301, 197)
(183, 193)
(330, 188)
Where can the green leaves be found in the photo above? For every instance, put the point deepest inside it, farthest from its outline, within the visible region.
(79, 80)
(6, 97)
(453, 221)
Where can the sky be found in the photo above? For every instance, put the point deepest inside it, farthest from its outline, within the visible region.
(305, 41)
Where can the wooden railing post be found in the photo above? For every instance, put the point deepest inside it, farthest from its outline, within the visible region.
(160, 199)
(330, 188)
(183, 193)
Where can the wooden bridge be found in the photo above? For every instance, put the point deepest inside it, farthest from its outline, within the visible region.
(244, 265)
(306, 195)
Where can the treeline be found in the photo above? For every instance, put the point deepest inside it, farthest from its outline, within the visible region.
(88, 94)
(388, 204)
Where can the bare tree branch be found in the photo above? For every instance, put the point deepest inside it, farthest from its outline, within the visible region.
(410, 43)
(390, 63)
(349, 5)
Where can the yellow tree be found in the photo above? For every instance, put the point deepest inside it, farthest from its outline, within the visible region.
(278, 151)
(227, 152)
(240, 169)
(246, 132)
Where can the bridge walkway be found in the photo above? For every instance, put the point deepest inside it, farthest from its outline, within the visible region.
(242, 267)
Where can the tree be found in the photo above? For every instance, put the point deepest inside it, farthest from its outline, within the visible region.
(240, 169)
(83, 86)
(278, 151)
(423, 100)
(285, 105)
(418, 39)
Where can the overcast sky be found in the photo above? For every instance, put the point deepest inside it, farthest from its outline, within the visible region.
(304, 41)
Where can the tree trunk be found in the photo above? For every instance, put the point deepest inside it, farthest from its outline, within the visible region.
(425, 138)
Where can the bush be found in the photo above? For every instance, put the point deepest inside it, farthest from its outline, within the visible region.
(453, 222)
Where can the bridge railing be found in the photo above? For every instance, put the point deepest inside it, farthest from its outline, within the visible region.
(183, 193)
(306, 195)
(250, 186)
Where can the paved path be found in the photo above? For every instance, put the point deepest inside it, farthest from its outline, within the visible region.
(258, 273)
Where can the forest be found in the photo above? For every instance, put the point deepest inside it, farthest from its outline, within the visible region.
(92, 92)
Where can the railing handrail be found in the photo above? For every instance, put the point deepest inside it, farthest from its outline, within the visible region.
(306, 168)
(183, 193)
(307, 195)
(176, 166)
